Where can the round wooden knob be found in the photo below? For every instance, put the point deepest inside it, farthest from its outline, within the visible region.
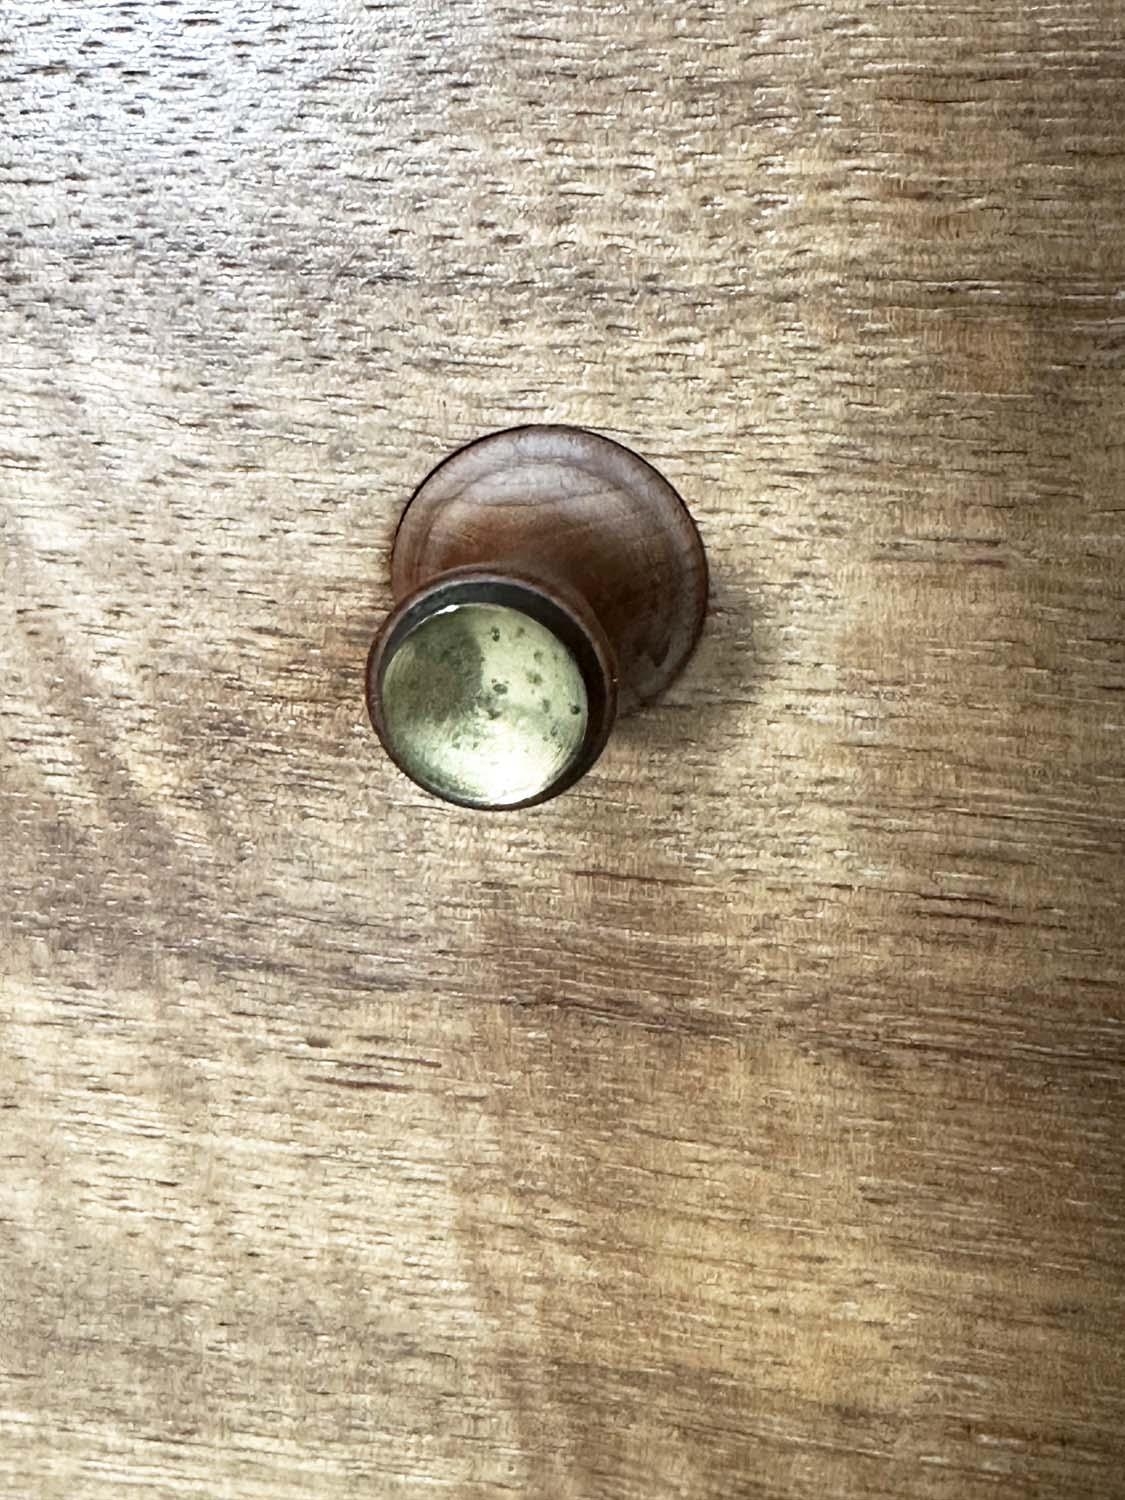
(546, 579)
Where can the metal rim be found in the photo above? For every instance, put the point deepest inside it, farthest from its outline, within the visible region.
(568, 619)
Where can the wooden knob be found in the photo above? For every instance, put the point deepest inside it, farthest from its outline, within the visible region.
(546, 578)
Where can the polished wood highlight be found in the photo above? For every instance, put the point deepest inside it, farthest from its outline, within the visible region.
(748, 1123)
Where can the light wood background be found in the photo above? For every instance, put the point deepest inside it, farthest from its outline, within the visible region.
(747, 1123)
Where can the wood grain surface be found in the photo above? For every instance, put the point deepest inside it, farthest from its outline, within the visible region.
(748, 1122)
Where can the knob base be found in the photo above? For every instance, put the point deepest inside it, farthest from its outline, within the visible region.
(579, 511)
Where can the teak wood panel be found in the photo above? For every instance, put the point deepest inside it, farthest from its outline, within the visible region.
(746, 1123)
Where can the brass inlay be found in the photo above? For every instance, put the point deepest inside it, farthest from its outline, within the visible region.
(484, 704)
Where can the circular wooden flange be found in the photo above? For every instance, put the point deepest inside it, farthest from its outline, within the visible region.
(579, 511)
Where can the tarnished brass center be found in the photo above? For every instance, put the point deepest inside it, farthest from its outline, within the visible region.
(484, 704)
